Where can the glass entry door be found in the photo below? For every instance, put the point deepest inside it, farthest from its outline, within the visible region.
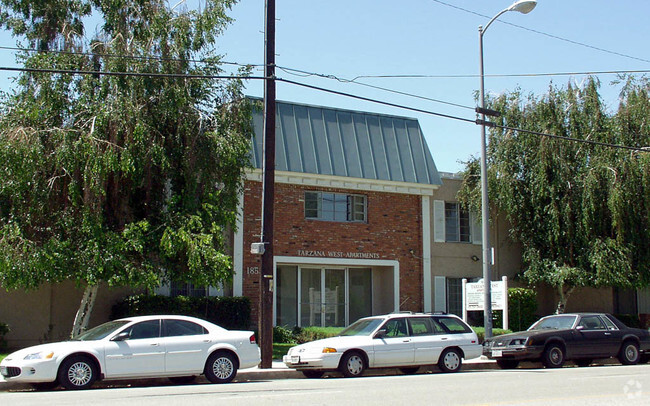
(325, 296)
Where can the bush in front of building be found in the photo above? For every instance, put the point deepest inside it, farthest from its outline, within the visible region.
(233, 313)
(480, 332)
(630, 320)
(282, 335)
(522, 308)
(4, 329)
(306, 334)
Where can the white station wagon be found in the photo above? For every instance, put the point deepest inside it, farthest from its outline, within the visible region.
(397, 340)
(175, 347)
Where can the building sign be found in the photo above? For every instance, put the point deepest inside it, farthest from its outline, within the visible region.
(338, 254)
(474, 294)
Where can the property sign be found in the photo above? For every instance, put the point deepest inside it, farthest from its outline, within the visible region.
(474, 294)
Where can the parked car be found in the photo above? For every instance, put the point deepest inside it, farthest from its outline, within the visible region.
(580, 337)
(405, 341)
(176, 347)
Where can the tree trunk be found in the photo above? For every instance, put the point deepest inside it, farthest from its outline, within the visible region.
(564, 292)
(85, 309)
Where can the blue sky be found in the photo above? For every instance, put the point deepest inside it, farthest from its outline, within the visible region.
(426, 37)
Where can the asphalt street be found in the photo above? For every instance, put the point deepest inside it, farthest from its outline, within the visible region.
(605, 384)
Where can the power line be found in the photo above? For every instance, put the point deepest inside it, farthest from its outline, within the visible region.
(503, 75)
(132, 74)
(385, 103)
(133, 57)
(303, 73)
(544, 33)
(478, 122)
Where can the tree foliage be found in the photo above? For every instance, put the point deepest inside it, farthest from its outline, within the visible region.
(580, 211)
(116, 178)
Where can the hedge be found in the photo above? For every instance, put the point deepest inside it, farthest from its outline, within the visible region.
(233, 313)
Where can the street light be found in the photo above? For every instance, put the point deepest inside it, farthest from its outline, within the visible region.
(525, 7)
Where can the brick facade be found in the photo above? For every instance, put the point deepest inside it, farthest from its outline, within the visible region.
(393, 232)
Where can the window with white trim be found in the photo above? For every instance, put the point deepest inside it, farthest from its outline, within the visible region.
(457, 223)
(336, 207)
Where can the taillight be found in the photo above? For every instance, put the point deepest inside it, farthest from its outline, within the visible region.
(252, 339)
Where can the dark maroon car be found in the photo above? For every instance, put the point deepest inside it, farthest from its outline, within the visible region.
(579, 337)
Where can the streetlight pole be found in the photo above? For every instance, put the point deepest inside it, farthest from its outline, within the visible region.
(525, 7)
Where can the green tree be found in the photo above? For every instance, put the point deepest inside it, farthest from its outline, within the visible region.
(124, 179)
(580, 211)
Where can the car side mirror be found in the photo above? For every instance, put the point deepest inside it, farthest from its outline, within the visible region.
(381, 333)
(580, 328)
(121, 337)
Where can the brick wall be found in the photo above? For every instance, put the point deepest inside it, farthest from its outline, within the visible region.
(393, 231)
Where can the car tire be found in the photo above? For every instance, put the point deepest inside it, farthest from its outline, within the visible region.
(450, 360)
(507, 363)
(182, 380)
(629, 353)
(311, 374)
(409, 370)
(221, 367)
(585, 362)
(352, 365)
(78, 372)
(553, 356)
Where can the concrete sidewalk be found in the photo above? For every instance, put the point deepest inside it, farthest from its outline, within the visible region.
(277, 371)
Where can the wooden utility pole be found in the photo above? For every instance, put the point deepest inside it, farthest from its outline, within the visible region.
(266, 276)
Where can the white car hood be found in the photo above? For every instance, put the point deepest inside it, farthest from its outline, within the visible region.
(57, 348)
(334, 342)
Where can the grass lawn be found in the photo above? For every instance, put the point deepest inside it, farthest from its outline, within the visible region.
(280, 349)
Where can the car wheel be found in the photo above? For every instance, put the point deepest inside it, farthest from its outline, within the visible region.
(583, 362)
(77, 372)
(352, 365)
(553, 356)
(507, 363)
(450, 360)
(312, 374)
(44, 386)
(629, 354)
(221, 367)
(409, 370)
(182, 380)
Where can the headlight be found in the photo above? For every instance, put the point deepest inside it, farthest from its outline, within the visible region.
(518, 341)
(39, 355)
(329, 350)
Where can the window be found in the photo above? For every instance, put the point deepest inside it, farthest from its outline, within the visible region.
(592, 323)
(186, 289)
(455, 296)
(396, 328)
(421, 326)
(335, 207)
(175, 328)
(145, 329)
(457, 223)
(453, 325)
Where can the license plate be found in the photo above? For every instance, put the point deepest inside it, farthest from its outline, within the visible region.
(497, 353)
(295, 359)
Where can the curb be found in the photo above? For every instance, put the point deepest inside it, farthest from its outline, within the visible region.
(277, 371)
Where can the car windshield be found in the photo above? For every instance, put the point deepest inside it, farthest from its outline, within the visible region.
(101, 331)
(363, 327)
(554, 323)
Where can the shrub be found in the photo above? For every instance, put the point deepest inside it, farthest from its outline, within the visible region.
(480, 332)
(630, 320)
(522, 308)
(233, 313)
(306, 334)
(283, 335)
(4, 329)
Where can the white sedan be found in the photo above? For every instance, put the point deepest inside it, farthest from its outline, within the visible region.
(398, 340)
(176, 347)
